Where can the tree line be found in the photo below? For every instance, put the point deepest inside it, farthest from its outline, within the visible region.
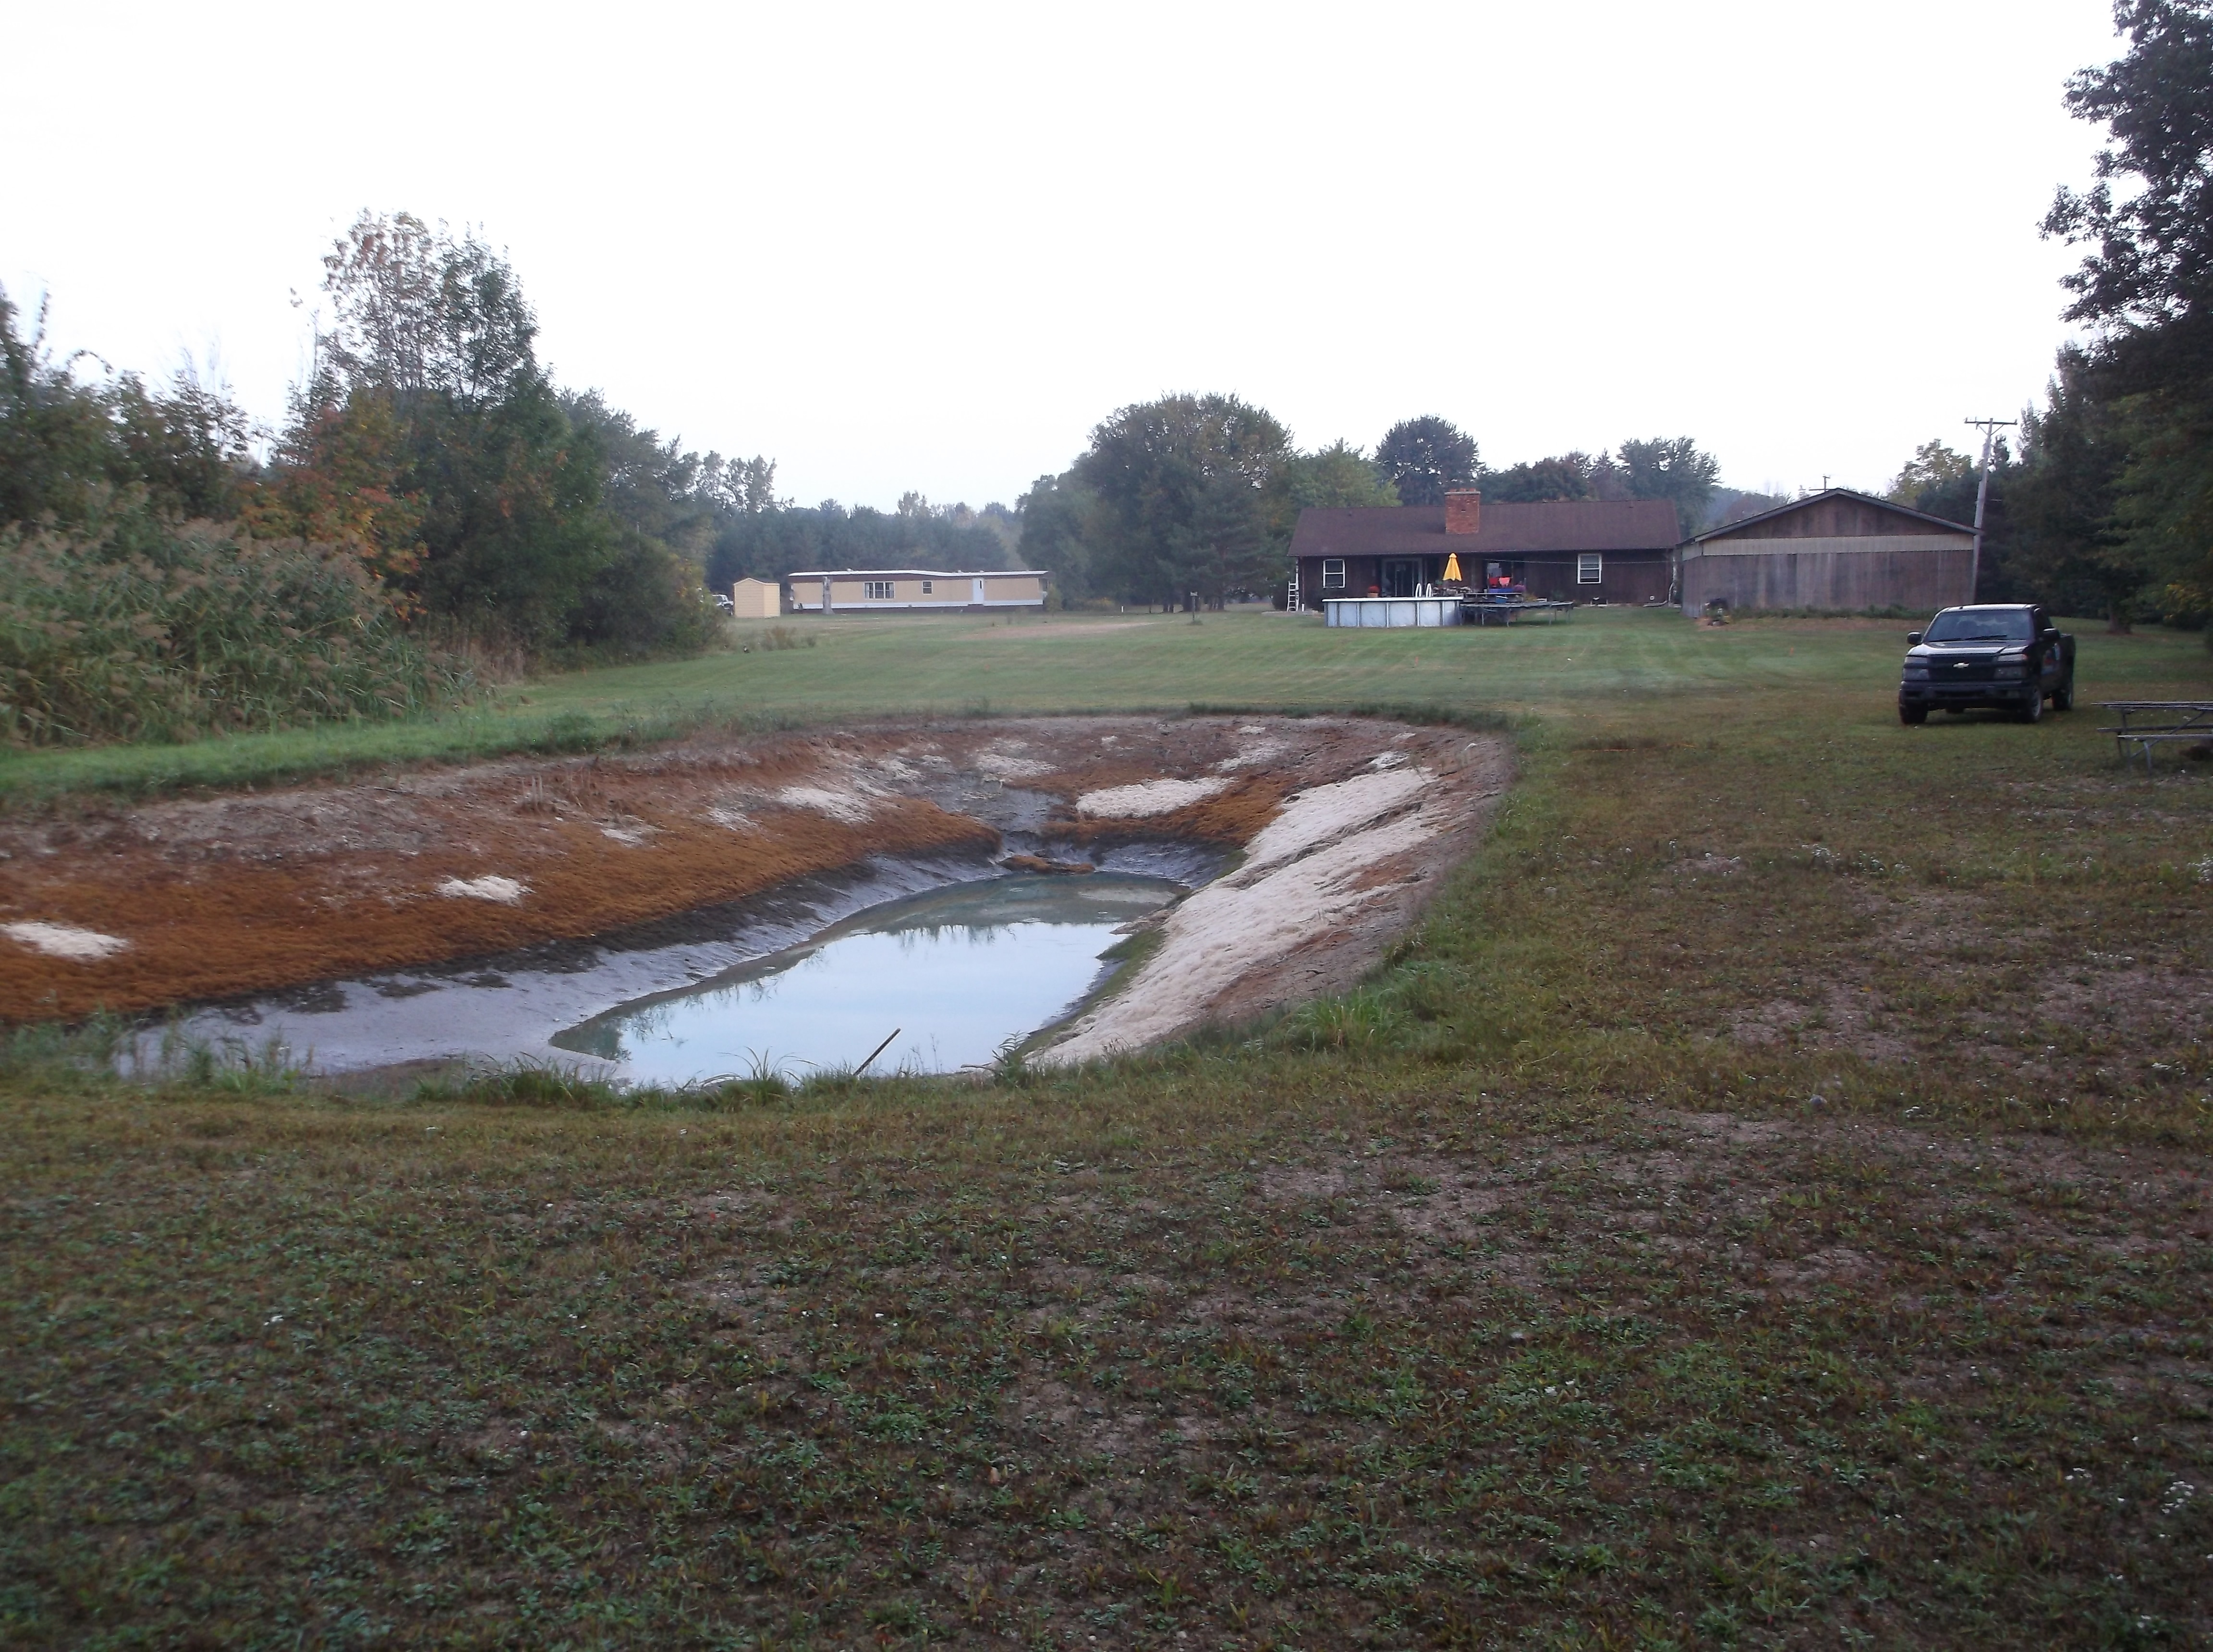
(432, 499)
(1194, 497)
(2104, 504)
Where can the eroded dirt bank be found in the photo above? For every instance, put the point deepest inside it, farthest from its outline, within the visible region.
(1346, 822)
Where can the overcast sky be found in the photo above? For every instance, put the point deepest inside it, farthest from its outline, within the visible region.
(929, 247)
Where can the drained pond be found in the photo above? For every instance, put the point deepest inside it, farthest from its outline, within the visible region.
(956, 956)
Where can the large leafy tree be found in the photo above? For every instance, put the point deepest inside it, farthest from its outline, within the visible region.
(2152, 257)
(419, 313)
(1564, 476)
(1423, 457)
(1673, 468)
(1188, 491)
(1936, 468)
(1340, 475)
(2146, 285)
(430, 439)
(1061, 525)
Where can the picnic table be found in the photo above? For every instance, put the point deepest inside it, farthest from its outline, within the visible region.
(2150, 723)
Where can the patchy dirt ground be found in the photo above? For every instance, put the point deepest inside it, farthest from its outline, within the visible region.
(179, 901)
(1301, 1363)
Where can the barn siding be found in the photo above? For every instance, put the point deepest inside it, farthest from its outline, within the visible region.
(1841, 550)
(1748, 574)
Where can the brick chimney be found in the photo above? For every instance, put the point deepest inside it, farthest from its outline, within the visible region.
(1463, 510)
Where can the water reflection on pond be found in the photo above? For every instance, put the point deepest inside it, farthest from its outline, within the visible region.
(958, 972)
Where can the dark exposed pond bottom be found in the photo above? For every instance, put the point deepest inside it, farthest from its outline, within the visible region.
(956, 954)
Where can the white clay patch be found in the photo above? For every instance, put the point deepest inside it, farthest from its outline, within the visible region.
(506, 891)
(65, 941)
(1148, 798)
(847, 806)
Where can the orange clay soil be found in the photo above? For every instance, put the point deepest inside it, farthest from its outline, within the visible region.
(248, 893)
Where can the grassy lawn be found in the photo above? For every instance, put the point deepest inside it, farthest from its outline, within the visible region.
(1764, 1204)
(859, 667)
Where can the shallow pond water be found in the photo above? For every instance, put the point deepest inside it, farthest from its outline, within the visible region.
(948, 978)
(1029, 947)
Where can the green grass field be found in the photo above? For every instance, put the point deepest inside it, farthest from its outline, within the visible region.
(1764, 1204)
(958, 666)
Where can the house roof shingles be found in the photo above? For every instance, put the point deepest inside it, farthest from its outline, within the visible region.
(1507, 530)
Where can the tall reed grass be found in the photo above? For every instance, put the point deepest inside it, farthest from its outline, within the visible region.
(172, 633)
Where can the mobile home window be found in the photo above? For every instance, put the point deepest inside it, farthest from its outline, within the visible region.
(926, 585)
(877, 590)
(1332, 573)
(1590, 568)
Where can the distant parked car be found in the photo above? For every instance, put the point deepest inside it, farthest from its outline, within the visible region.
(2007, 657)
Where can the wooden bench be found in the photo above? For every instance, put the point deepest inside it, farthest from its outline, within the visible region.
(2151, 723)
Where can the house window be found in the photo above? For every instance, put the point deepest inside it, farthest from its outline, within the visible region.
(1590, 568)
(926, 588)
(877, 590)
(1332, 573)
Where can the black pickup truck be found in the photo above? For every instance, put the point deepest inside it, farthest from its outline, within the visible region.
(2005, 655)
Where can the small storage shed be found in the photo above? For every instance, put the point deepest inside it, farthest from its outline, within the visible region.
(756, 598)
(1836, 550)
(914, 591)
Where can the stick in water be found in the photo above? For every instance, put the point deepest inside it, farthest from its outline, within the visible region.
(878, 1051)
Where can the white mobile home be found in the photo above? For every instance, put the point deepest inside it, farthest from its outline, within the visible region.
(914, 591)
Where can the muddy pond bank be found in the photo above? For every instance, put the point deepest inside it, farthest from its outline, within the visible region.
(1342, 824)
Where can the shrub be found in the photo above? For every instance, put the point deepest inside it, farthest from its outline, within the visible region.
(138, 631)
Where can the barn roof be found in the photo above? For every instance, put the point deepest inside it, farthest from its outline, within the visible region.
(1824, 496)
(1507, 530)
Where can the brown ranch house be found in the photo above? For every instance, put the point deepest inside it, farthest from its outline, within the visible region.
(1566, 550)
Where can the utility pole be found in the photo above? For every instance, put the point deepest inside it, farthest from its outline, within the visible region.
(1991, 427)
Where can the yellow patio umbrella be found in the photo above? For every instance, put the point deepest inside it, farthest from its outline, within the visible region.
(1452, 566)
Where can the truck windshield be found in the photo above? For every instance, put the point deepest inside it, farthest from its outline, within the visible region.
(1982, 626)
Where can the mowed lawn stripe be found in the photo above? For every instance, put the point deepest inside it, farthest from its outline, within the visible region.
(947, 666)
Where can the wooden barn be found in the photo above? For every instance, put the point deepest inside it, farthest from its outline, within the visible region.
(1567, 550)
(1835, 550)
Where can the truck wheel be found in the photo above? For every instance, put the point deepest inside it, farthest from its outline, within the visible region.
(1912, 716)
(2063, 697)
(2032, 709)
